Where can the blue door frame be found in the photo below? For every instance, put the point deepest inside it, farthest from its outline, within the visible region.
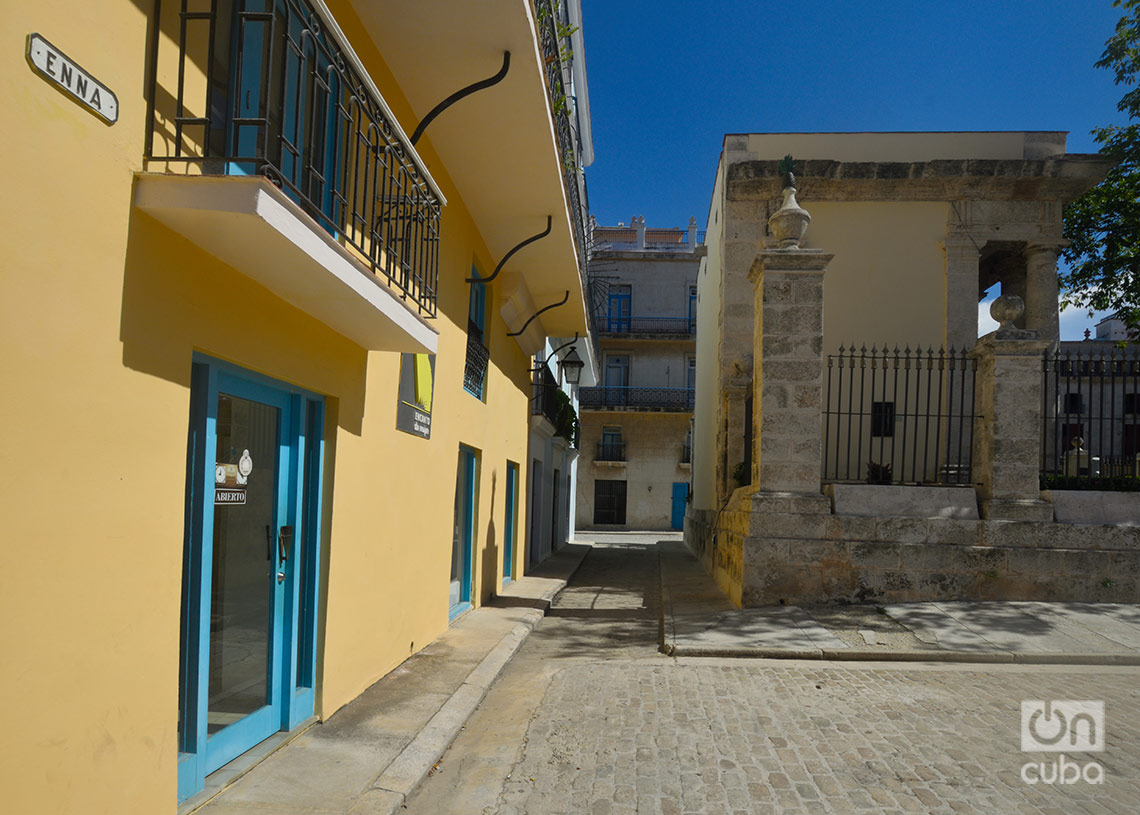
(510, 523)
(463, 550)
(292, 625)
(680, 496)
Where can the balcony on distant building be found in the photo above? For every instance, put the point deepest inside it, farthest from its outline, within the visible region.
(663, 327)
(637, 399)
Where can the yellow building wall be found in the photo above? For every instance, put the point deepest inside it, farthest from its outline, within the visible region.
(707, 397)
(887, 282)
(103, 309)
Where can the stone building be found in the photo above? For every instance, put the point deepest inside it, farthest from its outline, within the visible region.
(633, 469)
(854, 438)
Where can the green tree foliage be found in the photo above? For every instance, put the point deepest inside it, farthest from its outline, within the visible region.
(1104, 224)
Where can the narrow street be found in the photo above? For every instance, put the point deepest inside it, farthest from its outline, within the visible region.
(589, 717)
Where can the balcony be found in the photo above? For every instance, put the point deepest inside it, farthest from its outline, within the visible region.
(662, 327)
(279, 104)
(544, 395)
(612, 451)
(678, 400)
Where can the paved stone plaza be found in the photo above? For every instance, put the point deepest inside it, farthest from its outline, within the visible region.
(590, 718)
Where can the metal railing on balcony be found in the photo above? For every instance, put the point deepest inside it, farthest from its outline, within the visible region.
(1090, 432)
(615, 236)
(544, 394)
(555, 47)
(687, 453)
(610, 451)
(899, 417)
(659, 326)
(478, 357)
(243, 89)
(664, 399)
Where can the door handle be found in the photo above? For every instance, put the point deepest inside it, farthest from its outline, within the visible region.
(284, 539)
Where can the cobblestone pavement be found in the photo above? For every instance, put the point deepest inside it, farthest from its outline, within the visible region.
(588, 718)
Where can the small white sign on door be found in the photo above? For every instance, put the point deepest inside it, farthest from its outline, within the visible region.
(54, 66)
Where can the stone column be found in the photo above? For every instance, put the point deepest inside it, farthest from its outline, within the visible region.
(787, 370)
(1041, 290)
(1007, 430)
(639, 225)
(961, 291)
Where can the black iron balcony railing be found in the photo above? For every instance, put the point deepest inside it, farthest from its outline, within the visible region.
(544, 395)
(610, 451)
(656, 326)
(687, 453)
(553, 51)
(666, 399)
(475, 369)
(246, 87)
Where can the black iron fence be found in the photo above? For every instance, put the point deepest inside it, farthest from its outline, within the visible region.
(610, 451)
(664, 399)
(250, 91)
(687, 453)
(899, 417)
(660, 326)
(1090, 431)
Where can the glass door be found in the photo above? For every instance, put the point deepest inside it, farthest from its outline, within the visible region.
(248, 625)
(250, 548)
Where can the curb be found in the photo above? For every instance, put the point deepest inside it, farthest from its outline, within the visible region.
(868, 655)
(395, 784)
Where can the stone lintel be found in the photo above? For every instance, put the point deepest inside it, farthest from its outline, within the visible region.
(1064, 178)
(796, 261)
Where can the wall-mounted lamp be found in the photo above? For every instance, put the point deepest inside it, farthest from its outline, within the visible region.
(571, 366)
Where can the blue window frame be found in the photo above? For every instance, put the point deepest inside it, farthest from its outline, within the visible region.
(248, 630)
(288, 94)
(618, 317)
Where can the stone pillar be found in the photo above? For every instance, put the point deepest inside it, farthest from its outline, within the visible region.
(692, 236)
(639, 225)
(1007, 430)
(1041, 290)
(787, 370)
(961, 291)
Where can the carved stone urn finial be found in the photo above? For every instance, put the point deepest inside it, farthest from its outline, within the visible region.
(789, 223)
(1007, 309)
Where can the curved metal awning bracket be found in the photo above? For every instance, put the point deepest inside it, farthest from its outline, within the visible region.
(507, 256)
(459, 94)
(542, 310)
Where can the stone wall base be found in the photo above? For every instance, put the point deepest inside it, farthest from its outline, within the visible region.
(767, 550)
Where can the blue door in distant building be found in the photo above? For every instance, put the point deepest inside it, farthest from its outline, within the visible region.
(680, 495)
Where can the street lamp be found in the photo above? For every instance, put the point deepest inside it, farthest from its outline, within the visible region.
(571, 366)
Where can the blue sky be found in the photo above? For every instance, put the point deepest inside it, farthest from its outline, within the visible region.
(667, 80)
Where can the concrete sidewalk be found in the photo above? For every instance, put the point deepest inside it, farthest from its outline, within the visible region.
(698, 620)
(369, 756)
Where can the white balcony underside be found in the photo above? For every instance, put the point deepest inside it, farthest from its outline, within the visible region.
(251, 225)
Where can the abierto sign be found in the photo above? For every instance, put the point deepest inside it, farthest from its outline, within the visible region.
(55, 66)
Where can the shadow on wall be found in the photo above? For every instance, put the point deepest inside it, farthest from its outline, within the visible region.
(178, 299)
(489, 569)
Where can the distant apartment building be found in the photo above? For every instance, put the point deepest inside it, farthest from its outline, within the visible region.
(633, 469)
